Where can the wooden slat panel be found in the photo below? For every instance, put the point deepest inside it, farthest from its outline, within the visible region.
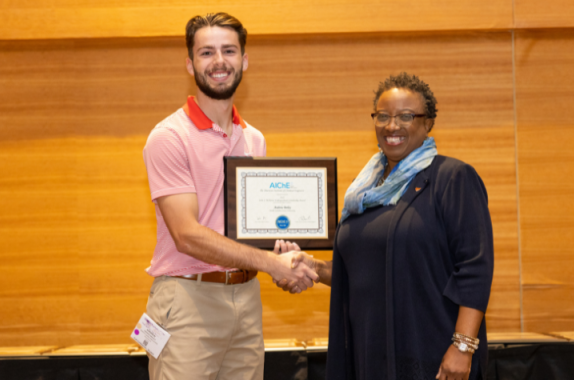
(25, 351)
(117, 237)
(85, 198)
(543, 14)
(38, 269)
(89, 87)
(569, 335)
(81, 185)
(544, 98)
(95, 350)
(492, 337)
(325, 84)
(86, 19)
(521, 338)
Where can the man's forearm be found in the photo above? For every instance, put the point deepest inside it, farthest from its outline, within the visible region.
(210, 247)
(180, 213)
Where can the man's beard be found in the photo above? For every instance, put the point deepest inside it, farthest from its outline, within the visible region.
(215, 93)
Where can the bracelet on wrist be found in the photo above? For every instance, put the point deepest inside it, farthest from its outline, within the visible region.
(471, 345)
(466, 337)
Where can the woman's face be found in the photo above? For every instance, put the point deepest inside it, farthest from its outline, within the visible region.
(395, 140)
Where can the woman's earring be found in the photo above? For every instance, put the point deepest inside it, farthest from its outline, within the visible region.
(379, 146)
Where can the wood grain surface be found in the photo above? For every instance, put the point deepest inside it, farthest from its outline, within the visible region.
(545, 134)
(320, 106)
(78, 226)
(530, 14)
(43, 19)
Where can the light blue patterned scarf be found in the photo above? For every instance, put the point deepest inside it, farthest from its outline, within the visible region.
(364, 193)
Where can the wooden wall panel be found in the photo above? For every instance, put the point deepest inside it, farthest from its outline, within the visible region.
(117, 235)
(108, 87)
(87, 106)
(317, 96)
(543, 14)
(38, 231)
(545, 134)
(42, 19)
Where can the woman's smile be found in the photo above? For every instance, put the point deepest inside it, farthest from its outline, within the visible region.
(401, 136)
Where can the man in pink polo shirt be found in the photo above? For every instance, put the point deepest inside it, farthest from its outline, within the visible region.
(211, 309)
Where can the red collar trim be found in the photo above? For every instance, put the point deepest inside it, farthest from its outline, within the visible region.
(201, 120)
(237, 119)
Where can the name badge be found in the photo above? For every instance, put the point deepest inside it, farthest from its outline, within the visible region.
(150, 336)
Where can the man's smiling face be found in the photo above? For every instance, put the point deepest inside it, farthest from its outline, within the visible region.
(218, 63)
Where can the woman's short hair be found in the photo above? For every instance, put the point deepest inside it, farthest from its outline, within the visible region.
(220, 19)
(411, 83)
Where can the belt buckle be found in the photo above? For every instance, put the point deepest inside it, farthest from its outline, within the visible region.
(242, 271)
(228, 276)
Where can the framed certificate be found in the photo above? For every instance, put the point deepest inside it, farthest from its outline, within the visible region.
(292, 199)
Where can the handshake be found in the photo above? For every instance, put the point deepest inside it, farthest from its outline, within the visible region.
(298, 272)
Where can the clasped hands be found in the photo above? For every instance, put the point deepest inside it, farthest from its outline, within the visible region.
(302, 267)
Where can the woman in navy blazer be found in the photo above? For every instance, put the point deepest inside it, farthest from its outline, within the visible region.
(411, 278)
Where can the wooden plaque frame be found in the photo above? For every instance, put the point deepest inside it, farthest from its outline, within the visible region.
(230, 197)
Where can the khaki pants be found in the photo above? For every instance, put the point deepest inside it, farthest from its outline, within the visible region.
(216, 330)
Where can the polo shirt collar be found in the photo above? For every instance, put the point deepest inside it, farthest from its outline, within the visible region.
(200, 119)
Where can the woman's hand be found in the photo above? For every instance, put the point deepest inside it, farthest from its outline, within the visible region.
(455, 365)
(322, 268)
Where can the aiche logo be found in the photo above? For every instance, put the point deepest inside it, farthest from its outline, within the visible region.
(281, 185)
(282, 222)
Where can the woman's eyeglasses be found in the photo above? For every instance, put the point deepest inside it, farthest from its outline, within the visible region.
(382, 119)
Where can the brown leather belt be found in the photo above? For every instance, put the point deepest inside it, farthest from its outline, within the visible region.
(228, 278)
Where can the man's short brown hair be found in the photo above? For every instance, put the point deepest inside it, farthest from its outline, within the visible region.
(220, 19)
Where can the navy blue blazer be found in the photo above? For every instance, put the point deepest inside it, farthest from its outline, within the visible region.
(439, 244)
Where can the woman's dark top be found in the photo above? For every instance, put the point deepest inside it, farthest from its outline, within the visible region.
(401, 272)
(365, 265)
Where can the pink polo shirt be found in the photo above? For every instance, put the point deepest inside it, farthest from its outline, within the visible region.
(184, 154)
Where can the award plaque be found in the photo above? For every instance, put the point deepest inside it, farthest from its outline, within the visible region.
(293, 199)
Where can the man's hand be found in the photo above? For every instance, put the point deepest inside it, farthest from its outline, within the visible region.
(301, 277)
(455, 365)
(298, 259)
(288, 251)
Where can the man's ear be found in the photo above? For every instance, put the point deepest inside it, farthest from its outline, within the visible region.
(245, 61)
(189, 66)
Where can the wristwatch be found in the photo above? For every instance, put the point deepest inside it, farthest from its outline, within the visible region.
(463, 347)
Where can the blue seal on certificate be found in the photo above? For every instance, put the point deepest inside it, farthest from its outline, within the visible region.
(282, 222)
